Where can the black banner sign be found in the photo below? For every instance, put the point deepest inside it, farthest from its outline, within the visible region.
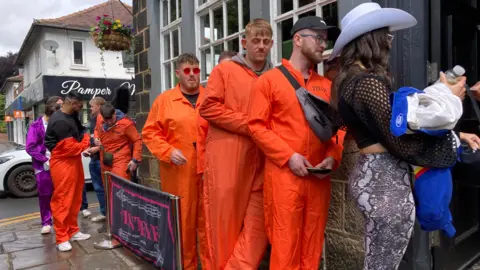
(88, 88)
(142, 220)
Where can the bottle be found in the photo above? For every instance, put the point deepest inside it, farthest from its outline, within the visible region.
(453, 74)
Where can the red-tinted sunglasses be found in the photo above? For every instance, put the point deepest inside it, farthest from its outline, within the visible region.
(187, 71)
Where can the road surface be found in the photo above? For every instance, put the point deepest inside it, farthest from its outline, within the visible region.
(15, 207)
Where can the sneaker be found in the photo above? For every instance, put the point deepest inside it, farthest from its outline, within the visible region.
(80, 236)
(46, 229)
(86, 213)
(65, 246)
(98, 218)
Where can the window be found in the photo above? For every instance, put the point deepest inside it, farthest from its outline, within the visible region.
(286, 12)
(170, 42)
(220, 26)
(78, 53)
(85, 113)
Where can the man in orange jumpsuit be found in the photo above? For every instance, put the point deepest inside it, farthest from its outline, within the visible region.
(296, 202)
(116, 134)
(170, 134)
(233, 166)
(66, 139)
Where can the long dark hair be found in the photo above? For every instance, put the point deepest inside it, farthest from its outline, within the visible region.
(372, 50)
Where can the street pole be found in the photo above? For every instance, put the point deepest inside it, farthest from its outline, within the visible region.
(109, 242)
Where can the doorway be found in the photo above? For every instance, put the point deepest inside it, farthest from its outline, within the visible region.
(454, 26)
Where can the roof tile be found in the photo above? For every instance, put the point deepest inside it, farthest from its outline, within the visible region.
(87, 17)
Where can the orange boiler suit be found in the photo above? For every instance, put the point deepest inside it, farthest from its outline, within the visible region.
(172, 124)
(233, 170)
(117, 139)
(296, 208)
(202, 126)
(66, 143)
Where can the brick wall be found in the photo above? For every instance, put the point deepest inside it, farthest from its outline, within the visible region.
(148, 169)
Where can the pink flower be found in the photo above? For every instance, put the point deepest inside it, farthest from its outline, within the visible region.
(98, 18)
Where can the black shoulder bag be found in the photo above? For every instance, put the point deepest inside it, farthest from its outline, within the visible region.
(317, 111)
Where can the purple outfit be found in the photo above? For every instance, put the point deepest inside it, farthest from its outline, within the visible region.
(35, 147)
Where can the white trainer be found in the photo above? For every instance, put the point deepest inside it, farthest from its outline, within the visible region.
(98, 218)
(65, 246)
(80, 236)
(46, 229)
(86, 213)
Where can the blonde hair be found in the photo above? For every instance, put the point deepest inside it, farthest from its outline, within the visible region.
(258, 27)
(97, 101)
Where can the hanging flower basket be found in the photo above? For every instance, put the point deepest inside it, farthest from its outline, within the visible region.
(111, 35)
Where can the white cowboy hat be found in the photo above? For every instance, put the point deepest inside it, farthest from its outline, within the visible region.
(367, 17)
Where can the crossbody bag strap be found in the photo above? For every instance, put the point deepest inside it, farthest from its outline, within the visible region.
(290, 77)
(116, 150)
(474, 104)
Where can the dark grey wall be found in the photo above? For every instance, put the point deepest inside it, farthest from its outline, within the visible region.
(410, 48)
(188, 26)
(260, 9)
(344, 6)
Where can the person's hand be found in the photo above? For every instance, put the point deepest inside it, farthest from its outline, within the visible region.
(476, 87)
(132, 166)
(476, 91)
(327, 163)
(458, 89)
(298, 164)
(472, 140)
(97, 142)
(86, 153)
(177, 157)
(94, 150)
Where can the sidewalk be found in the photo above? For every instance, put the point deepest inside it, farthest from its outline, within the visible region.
(23, 247)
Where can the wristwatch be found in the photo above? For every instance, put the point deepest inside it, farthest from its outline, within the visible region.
(135, 161)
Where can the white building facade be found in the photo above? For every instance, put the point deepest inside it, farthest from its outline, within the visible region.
(58, 56)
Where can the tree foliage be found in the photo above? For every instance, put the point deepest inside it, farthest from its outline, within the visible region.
(7, 69)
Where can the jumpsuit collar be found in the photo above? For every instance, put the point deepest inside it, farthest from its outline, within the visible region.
(296, 73)
(178, 94)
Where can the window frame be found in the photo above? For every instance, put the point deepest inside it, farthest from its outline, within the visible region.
(208, 8)
(84, 53)
(168, 29)
(276, 18)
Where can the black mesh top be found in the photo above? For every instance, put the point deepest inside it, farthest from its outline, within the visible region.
(365, 109)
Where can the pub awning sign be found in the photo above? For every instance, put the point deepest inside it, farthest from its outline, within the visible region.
(88, 88)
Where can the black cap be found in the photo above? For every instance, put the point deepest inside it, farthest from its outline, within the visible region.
(315, 23)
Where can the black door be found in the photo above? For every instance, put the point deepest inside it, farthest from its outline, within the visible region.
(454, 41)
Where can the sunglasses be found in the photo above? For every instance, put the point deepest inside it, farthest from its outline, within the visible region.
(187, 71)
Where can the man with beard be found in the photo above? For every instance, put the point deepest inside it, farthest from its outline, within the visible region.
(66, 140)
(170, 133)
(233, 165)
(296, 201)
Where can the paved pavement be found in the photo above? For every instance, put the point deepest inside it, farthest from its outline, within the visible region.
(23, 247)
